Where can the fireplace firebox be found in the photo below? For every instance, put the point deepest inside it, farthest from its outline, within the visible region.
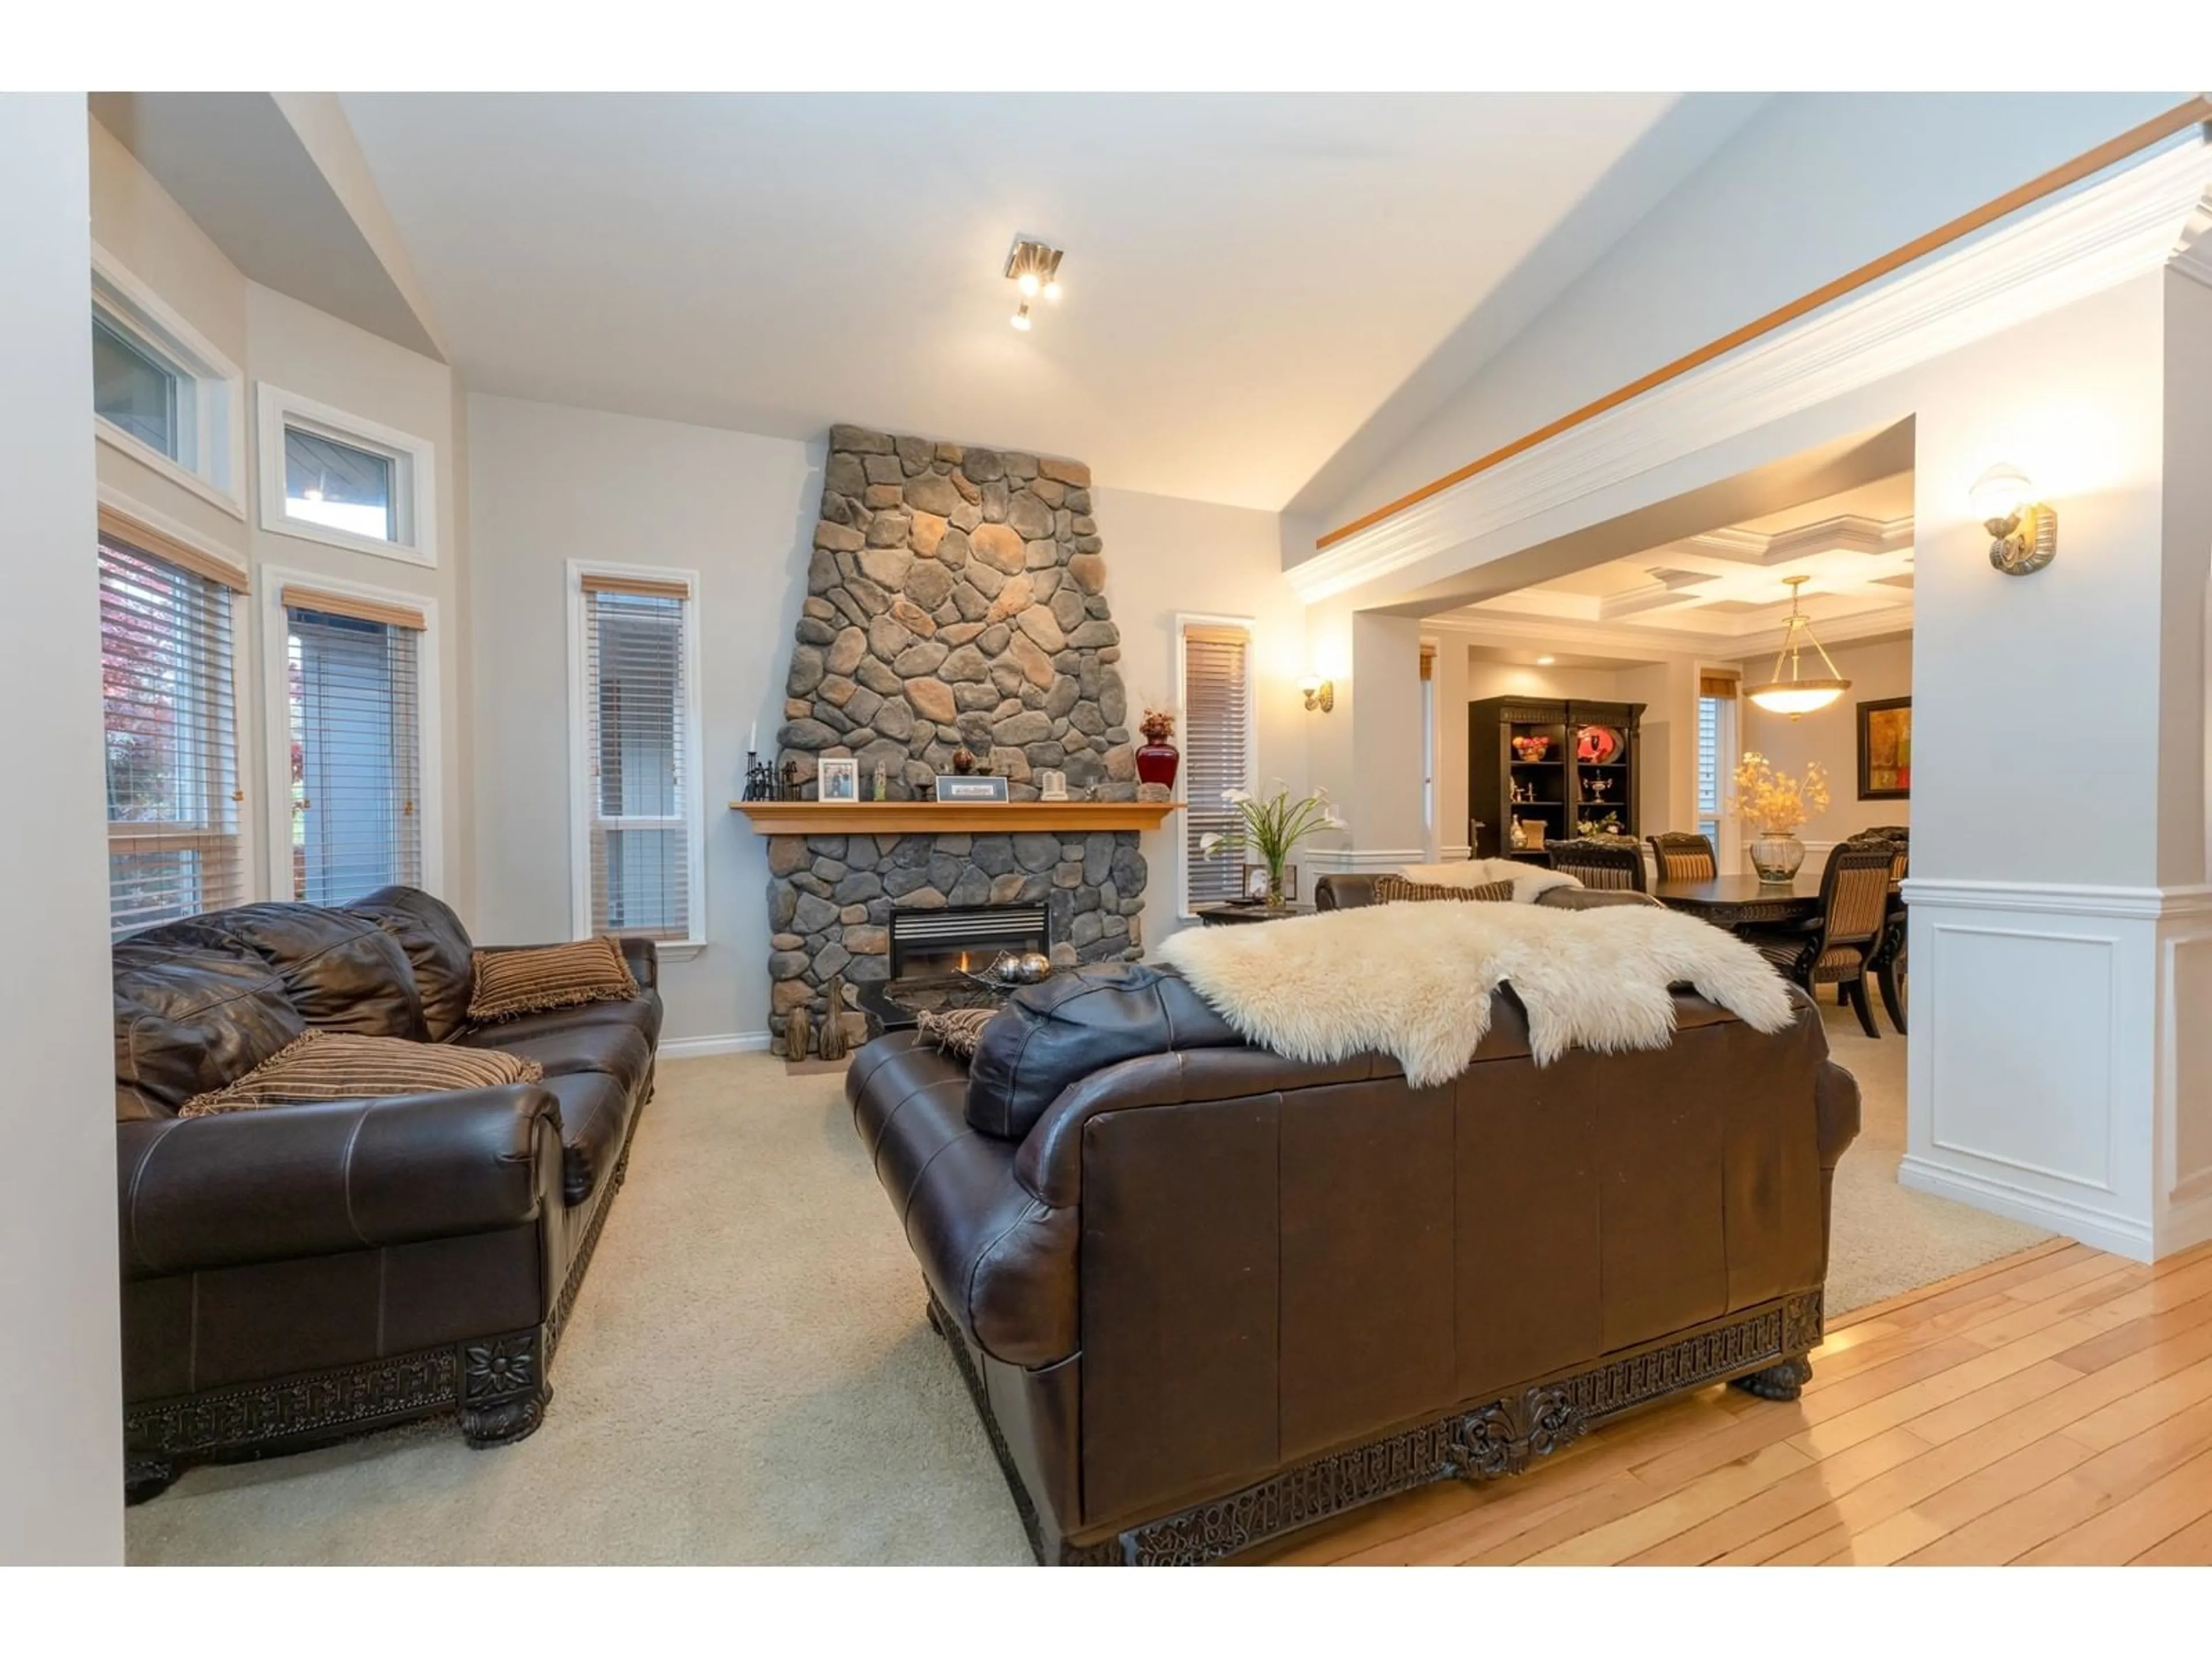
(933, 946)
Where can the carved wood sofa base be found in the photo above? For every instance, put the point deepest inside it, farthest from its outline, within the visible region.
(1762, 1350)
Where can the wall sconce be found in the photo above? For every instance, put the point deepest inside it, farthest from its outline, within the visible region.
(1321, 694)
(1033, 269)
(2023, 531)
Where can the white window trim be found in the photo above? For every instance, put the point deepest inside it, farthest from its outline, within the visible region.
(580, 760)
(270, 583)
(251, 866)
(1728, 849)
(416, 481)
(1184, 621)
(218, 386)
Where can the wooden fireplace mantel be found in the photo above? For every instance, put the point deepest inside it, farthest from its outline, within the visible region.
(927, 818)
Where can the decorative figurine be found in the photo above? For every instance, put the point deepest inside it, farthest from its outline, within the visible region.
(963, 762)
(831, 1043)
(881, 784)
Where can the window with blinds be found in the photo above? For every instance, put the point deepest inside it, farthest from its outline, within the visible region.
(353, 681)
(639, 830)
(167, 686)
(1216, 753)
(1716, 721)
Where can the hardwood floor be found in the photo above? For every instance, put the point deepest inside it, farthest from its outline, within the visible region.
(2052, 1407)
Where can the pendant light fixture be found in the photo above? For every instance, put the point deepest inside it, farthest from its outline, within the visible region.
(1797, 695)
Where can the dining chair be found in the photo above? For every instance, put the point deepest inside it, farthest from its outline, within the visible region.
(1840, 946)
(1888, 965)
(1615, 866)
(1682, 857)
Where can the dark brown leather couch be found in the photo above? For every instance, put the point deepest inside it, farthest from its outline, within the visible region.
(302, 1273)
(1203, 1295)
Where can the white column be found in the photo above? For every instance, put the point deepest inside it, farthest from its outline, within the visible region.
(1368, 751)
(1452, 836)
(2061, 943)
(61, 1430)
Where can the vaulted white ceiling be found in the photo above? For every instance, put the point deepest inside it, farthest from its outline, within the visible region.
(1249, 277)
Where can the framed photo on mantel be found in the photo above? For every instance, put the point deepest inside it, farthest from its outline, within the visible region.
(1886, 749)
(967, 789)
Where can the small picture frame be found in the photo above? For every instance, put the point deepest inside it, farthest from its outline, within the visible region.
(1256, 883)
(967, 789)
(838, 779)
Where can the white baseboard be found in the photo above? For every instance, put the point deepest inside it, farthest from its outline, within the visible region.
(730, 1042)
(1459, 854)
(2117, 1234)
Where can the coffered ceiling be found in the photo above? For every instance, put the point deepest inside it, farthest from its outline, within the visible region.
(1726, 589)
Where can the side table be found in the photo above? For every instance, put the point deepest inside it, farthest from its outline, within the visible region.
(1226, 914)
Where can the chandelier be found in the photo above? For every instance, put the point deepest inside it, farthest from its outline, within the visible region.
(1797, 695)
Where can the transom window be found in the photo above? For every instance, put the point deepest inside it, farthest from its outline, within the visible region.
(160, 392)
(330, 476)
(169, 690)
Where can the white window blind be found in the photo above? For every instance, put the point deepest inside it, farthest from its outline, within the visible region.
(172, 732)
(354, 688)
(637, 816)
(1716, 723)
(1217, 754)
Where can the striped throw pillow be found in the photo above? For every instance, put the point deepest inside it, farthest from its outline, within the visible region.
(1392, 890)
(340, 1066)
(511, 982)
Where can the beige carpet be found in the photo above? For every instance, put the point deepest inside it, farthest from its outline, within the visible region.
(749, 1378)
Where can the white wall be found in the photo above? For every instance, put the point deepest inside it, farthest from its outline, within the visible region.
(1831, 736)
(61, 1470)
(1814, 185)
(551, 484)
(1165, 557)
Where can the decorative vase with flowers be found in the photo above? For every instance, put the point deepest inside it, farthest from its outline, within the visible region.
(1776, 805)
(1158, 757)
(1270, 828)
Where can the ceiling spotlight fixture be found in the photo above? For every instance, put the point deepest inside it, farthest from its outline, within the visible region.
(1797, 697)
(1034, 268)
(1545, 662)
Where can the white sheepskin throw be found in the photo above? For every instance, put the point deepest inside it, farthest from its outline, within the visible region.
(1415, 981)
(1530, 881)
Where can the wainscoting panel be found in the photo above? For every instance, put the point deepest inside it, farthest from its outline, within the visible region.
(2022, 1051)
(2035, 1066)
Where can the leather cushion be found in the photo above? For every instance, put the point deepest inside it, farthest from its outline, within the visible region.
(438, 950)
(617, 1050)
(344, 1065)
(343, 972)
(190, 1017)
(595, 1114)
(1048, 1036)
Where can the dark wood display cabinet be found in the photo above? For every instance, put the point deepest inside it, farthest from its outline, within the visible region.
(1569, 765)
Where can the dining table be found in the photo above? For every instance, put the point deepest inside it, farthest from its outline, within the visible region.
(1738, 901)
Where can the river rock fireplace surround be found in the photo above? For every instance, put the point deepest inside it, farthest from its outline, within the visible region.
(955, 600)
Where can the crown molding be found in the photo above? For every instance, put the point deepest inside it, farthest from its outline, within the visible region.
(2116, 228)
(2192, 256)
(1651, 644)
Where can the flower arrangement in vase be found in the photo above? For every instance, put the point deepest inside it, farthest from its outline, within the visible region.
(1270, 828)
(1158, 757)
(1776, 806)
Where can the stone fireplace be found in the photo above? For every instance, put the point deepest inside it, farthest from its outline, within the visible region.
(955, 600)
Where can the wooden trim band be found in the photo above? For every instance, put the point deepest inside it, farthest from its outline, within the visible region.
(346, 605)
(1717, 685)
(121, 527)
(2159, 128)
(638, 586)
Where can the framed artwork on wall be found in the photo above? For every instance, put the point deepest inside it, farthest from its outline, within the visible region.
(1886, 748)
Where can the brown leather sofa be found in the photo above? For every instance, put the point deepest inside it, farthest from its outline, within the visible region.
(1203, 1295)
(303, 1273)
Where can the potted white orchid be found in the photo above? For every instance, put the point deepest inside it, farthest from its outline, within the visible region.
(1270, 828)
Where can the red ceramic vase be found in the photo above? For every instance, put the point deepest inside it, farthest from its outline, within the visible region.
(1157, 763)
